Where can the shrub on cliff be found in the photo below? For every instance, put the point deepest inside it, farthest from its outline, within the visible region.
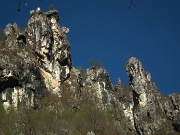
(95, 63)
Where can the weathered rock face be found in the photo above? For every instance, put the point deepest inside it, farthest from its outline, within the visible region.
(35, 59)
(98, 84)
(50, 44)
(172, 109)
(124, 100)
(18, 70)
(71, 89)
(148, 110)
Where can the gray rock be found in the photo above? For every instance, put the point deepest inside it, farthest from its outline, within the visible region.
(34, 60)
(98, 84)
(124, 100)
(172, 109)
(52, 49)
(37, 61)
(148, 108)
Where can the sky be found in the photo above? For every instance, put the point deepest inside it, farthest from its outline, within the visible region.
(108, 31)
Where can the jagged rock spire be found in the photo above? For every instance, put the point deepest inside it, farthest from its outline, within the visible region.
(147, 99)
(35, 59)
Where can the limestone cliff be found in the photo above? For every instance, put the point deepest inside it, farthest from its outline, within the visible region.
(148, 111)
(33, 60)
(37, 61)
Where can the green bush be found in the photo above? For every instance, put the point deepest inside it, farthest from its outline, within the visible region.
(65, 121)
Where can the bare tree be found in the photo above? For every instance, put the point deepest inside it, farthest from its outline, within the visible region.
(51, 7)
(19, 4)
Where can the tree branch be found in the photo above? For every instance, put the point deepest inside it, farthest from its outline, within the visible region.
(129, 7)
(19, 4)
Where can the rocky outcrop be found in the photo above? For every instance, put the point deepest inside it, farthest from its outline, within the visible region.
(48, 40)
(71, 89)
(33, 60)
(19, 75)
(172, 109)
(148, 110)
(123, 99)
(36, 63)
(97, 85)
